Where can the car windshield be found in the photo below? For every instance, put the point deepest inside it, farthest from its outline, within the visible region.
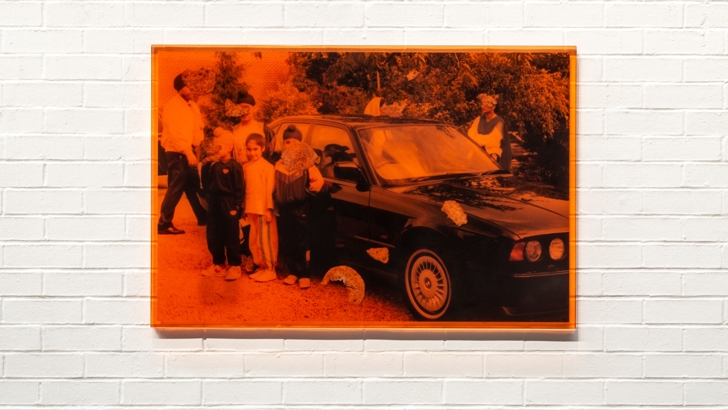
(402, 154)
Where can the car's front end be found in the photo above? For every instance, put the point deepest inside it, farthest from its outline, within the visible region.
(513, 251)
(526, 275)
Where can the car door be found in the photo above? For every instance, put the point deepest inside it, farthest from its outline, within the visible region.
(389, 216)
(389, 212)
(350, 205)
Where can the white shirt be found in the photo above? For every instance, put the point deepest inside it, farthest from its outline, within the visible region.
(491, 142)
(182, 124)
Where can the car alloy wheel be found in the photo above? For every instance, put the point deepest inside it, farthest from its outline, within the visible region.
(427, 285)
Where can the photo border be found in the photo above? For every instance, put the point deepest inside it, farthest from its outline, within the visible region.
(348, 327)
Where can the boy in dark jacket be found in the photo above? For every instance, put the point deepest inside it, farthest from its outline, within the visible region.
(297, 179)
(222, 179)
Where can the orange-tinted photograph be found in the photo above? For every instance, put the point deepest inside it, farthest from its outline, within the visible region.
(360, 187)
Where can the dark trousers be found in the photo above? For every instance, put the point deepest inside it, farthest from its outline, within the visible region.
(181, 178)
(162, 159)
(223, 234)
(245, 242)
(293, 237)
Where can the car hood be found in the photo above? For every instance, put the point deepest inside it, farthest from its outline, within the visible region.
(521, 207)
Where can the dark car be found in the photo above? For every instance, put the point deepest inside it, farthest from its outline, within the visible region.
(391, 178)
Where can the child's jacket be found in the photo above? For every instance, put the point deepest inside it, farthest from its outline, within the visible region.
(295, 186)
(223, 182)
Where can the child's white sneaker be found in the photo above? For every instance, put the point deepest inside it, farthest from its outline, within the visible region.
(290, 280)
(214, 271)
(264, 275)
(233, 273)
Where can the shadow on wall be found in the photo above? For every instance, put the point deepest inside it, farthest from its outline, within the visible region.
(367, 334)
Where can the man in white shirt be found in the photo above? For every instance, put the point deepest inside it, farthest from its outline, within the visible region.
(182, 132)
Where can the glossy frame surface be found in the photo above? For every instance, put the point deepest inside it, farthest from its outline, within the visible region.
(159, 54)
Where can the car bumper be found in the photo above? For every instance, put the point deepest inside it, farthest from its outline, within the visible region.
(538, 291)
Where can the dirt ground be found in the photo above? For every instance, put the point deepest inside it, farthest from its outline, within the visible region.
(186, 298)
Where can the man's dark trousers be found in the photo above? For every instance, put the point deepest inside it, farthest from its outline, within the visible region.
(180, 179)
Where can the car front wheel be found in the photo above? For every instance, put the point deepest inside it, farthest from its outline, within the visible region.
(427, 285)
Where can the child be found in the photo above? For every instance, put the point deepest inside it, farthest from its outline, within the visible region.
(222, 179)
(212, 151)
(259, 177)
(296, 175)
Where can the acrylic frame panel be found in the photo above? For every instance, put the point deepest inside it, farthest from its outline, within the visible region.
(500, 270)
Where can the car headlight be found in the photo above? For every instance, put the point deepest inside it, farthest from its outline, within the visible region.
(533, 251)
(556, 249)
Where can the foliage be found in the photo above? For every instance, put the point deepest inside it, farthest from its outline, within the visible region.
(285, 100)
(533, 93)
(228, 81)
(549, 162)
(332, 97)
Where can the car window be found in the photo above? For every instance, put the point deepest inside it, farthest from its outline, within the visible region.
(332, 145)
(303, 127)
(401, 154)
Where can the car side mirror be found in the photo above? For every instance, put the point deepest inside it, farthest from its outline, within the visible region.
(349, 171)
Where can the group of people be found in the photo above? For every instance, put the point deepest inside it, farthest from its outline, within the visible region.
(243, 187)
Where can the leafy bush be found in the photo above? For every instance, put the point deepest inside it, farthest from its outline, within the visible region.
(285, 100)
(228, 82)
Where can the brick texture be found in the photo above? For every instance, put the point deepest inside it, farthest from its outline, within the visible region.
(652, 199)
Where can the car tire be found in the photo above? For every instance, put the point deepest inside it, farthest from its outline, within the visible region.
(427, 285)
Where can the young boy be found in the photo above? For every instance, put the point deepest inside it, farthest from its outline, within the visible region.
(296, 176)
(223, 181)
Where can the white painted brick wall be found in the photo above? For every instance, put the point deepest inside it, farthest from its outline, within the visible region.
(652, 205)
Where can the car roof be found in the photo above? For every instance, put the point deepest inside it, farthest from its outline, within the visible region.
(359, 120)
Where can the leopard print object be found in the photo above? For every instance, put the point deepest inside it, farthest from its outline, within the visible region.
(455, 212)
(348, 276)
(236, 110)
(200, 81)
(379, 254)
(298, 157)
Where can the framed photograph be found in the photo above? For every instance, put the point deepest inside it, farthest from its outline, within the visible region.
(363, 187)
